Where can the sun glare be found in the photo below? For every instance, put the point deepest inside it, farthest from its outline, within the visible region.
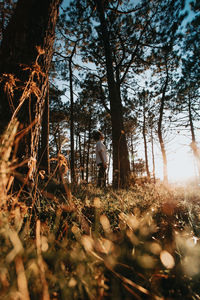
(181, 167)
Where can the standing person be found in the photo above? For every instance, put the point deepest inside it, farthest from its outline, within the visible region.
(101, 158)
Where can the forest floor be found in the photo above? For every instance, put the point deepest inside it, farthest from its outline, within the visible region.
(85, 243)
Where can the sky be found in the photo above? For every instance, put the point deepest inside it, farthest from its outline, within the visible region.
(181, 163)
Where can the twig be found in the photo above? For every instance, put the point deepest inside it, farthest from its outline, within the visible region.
(21, 279)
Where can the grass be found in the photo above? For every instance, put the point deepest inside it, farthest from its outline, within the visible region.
(140, 243)
(60, 242)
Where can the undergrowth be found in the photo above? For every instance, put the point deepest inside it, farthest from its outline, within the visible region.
(78, 242)
(140, 243)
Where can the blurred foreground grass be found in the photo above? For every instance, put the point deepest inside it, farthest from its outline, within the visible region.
(141, 243)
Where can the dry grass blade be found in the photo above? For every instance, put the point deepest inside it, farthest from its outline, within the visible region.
(14, 238)
(132, 292)
(21, 279)
(129, 282)
(41, 263)
(7, 141)
(9, 87)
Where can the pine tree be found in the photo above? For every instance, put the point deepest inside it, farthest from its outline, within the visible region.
(25, 58)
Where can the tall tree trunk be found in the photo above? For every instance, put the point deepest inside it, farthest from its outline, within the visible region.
(121, 166)
(194, 146)
(153, 157)
(160, 136)
(73, 177)
(145, 141)
(2, 18)
(132, 156)
(162, 146)
(44, 149)
(81, 157)
(88, 150)
(32, 25)
(55, 137)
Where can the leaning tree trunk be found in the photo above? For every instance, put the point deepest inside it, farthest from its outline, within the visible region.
(121, 165)
(25, 57)
(162, 145)
(194, 146)
(160, 136)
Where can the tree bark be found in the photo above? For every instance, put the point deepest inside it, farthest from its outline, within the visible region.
(162, 146)
(160, 136)
(88, 148)
(73, 177)
(121, 165)
(26, 50)
(194, 146)
(145, 140)
(44, 148)
(153, 157)
(81, 157)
